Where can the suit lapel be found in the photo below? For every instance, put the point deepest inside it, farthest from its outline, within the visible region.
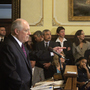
(20, 50)
(43, 45)
(58, 44)
(51, 44)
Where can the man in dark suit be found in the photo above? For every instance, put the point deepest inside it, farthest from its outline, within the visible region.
(47, 56)
(15, 68)
(2, 33)
(38, 36)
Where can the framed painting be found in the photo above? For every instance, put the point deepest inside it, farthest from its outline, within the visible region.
(79, 10)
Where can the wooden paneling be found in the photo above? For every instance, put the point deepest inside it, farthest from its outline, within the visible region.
(71, 37)
(68, 85)
(70, 75)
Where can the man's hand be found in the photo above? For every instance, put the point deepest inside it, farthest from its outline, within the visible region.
(68, 49)
(59, 49)
(46, 65)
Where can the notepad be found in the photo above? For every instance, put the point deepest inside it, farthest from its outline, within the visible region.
(70, 72)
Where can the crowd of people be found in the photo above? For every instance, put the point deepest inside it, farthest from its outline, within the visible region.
(26, 60)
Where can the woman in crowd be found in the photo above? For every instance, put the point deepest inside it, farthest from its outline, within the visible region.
(56, 63)
(55, 67)
(80, 45)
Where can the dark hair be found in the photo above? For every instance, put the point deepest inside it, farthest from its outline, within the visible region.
(38, 33)
(76, 40)
(3, 26)
(59, 29)
(32, 58)
(87, 54)
(79, 59)
(46, 30)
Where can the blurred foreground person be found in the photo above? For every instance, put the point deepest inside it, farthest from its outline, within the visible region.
(15, 68)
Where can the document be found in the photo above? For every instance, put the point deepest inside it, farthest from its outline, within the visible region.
(47, 85)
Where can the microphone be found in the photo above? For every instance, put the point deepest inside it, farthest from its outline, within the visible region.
(51, 50)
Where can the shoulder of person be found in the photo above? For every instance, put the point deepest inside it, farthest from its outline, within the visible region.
(68, 40)
(74, 44)
(53, 42)
(38, 68)
(87, 42)
(39, 42)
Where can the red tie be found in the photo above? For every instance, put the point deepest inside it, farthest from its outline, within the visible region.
(24, 50)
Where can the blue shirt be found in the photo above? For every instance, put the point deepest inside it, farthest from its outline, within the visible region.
(58, 71)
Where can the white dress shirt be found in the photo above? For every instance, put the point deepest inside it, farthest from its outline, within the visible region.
(1, 38)
(61, 43)
(20, 43)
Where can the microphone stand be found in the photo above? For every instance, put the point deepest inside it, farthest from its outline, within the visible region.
(61, 68)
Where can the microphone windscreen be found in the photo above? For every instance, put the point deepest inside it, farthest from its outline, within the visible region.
(50, 49)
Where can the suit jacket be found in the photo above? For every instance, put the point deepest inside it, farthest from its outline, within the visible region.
(68, 54)
(66, 44)
(15, 68)
(79, 52)
(45, 57)
(38, 75)
(3, 40)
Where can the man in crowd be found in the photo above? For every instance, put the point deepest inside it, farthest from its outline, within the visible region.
(2, 33)
(38, 36)
(47, 56)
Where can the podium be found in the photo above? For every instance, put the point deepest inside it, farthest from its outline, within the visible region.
(70, 75)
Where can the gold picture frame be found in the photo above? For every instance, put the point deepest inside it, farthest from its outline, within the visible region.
(79, 10)
(16, 9)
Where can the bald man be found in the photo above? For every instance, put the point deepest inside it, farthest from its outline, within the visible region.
(15, 68)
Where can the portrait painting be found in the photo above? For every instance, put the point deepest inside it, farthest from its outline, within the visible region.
(79, 10)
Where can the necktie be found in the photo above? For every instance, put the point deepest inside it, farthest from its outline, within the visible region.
(1, 40)
(46, 45)
(23, 48)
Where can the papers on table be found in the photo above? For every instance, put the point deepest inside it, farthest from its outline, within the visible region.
(42, 88)
(70, 72)
(47, 85)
